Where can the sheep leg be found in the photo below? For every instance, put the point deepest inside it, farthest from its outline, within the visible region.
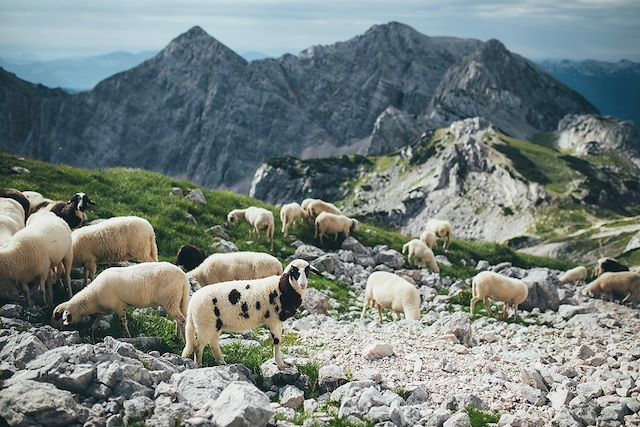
(380, 312)
(215, 349)
(25, 292)
(86, 276)
(364, 309)
(197, 355)
(515, 311)
(180, 320)
(122, 315)
(49, 286)
(487, 306)
(473, 303)
(42, 288)
(626, 298)
(92, 271)
(276, 336)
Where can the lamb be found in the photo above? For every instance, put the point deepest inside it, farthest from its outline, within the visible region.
(242, 305)
(604, 265)
(235, 266)
(113, 240)
(189, 257)
(12, 193)
(259, 218)
(429, 238)
(288, 214)
(388, 290)
(149, 284)
(328, 223)
(442, 229)
(624, 282)
(317, 206)
(34, 250)
(420, 254)
(488, 284)
(575, 275)
(11, 218)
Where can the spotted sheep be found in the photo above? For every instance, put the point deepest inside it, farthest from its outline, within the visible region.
(243, 305)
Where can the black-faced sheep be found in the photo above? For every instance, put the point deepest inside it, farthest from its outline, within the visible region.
(218, 268)
(388, 290)
(608, 265)
(488, 284)
(328, 223)
(259, 218)
(625, 283)
(243, 305)
(189, 257)
(442, 229)
(420, 254)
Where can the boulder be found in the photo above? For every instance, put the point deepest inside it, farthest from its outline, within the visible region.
(460, 419)
(330, 377)
(329, 263)
(292, 397)
(224, 246)
(543, 292)
(240, 404)
(271, 375)
(391, 258)
(377, 350)
(458, 324)
(315, 302)
(198, 386)
(196, 196)
(353, 245)
(28, 403)
(308, 252)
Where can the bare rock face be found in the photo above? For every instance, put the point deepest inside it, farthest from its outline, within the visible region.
(392, 130)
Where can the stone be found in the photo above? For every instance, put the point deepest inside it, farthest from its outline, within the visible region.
(567, 311)
(292, 397)
(271, 375)
(77, 380)
(13, 311)
(443, 260)
(353, 245)
(219, 231)
(349, 389)
(613, 413)
(584, 352)
(176, 191)
(377, 350)
(197, 386)
(379, 414)
(462, 401)
(483, 265)
(129, 388)
(458, 324)
(460, 419)
(308, 252)
(419, 395)
(137, 408)
(34, 403)
(19, 170)
(438, 418)
(543, 292)
(404, 416)
(533, 378)
(196, 196)
(391, 258)
(240, 404)
(330, 377)
(533, 395)
(21, 349)
(329, 263)
(224, 246)
(315, 302)
(560, 398)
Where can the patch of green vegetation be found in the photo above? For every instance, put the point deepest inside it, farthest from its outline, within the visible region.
(480, 418)
(463, 300)
(402, 392)
(347, 422)
(547, 139)
(506, 210)
(310, 369)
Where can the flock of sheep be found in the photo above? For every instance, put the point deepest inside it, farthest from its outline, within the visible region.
(41, 241)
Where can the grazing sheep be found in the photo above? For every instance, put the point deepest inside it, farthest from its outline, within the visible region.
(623, 283)
(149, 284)
(429, 238)
(420, 254)
(575, 275)
(442, 229)
(288, 214)
(189, 257)
(388, 290)
(488, 284)
(73, 211)
(11, 218)
(113, 240)
(304, 205)
(316, 207)
(243, 305)
(259, 218)
(636, 269)
(328, 223)
(36, 200)
(235, 266)
(12, 193)
(608, 265)
(34, 250)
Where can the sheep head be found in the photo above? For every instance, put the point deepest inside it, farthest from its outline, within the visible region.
(81, 202)
(298, 273)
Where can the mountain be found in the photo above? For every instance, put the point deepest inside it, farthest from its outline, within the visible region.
(611, 87)
(76, 73)
(252, 55)
(198, 110)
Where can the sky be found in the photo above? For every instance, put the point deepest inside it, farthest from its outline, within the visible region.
(574, 29)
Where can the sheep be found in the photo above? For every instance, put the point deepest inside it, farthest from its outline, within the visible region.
(420, 254)
(73, 211)
(577, 275)
(149, 284)
(11, 218)
(242, 305)
(12, 193)
(636, 269)
(113, 240)
(259, 218)
(189, 257)
(235, 266)
(604, 265)
(429, 238)
(34, 250)
(36, 200)
(328, 223)
(442, 229)
(288, 214)
(624, 282)
(488, 284)
(388, 290)
(305, 203)
(316, 207)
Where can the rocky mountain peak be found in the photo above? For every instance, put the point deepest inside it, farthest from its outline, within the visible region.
(198, 44)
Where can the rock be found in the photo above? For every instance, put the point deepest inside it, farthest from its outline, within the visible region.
(613, 413)
(330, 377)
(315, 302)
(190, 219)
(543, 292)
(460, 419)
(19, 170)
(533, 378)
(391, 258)
(329, 263)
(240, 404)
(176, 191)
(302, 324)
(75, 378)
(137, 409)
(224, 246)
(585, 352)
(483, 265)
(349, 389)
(219, 231)
(419, 395)
(392, 130)
(197, 386)
(29, 403)
(145, 344)
(458, 324)
(196, 196)
(462, 401)
(405, 416)
(441, 259)
(567, 311)
(353, 245)
(533, 395)
(13, 311)
(292, 397)
(560, 398)
(22, 349)
(308, 252)
(438, 418)
(377, 350)
(501, 266)
(271, 375)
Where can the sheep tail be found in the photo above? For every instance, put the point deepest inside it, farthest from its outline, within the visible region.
(405, 247)
(154, 248)
(189, 336)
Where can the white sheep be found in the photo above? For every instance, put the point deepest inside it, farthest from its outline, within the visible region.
(288, 214)
(623, 282)
(243, 305)
(575, 275)
(11, 218)
(429, 238)
(442, 229)
(317, 206)
(226, 267)
(148, 284)
(420, 254)
(113, 240)
(34, 250)
(259, 218)
(36, 200)
(328, 223)
(488, 284)
(388, 290)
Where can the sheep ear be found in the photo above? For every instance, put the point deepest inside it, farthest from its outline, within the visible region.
(314, 270)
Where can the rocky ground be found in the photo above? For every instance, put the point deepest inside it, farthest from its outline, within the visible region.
(570, 361)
